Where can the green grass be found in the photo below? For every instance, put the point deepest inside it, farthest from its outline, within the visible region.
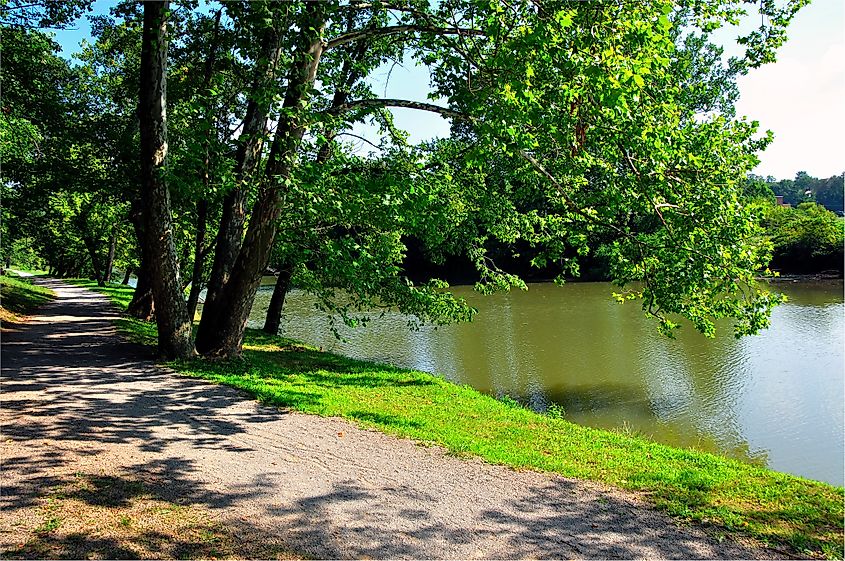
(774, 508)
(20, 297)
(36, 272)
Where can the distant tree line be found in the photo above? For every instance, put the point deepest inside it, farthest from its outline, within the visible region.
(805, 188)
(806, 230)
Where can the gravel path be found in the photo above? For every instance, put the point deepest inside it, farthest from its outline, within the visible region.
(76, 398)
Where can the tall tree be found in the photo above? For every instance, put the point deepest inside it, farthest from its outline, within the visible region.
(238, 293)
(174, 326)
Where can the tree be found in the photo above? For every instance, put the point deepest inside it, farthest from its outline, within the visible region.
(627, 147)
(806, 239)
(174, 326)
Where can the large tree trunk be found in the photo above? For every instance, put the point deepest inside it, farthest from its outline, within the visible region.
(227, 244)
(91, 246)
(273, 319)
(247, 159)
(126, 276)
(250, 144)
(174, 325)
(350, 75)
(110, 258)
(277, 301)
(142, 305)
(205, 173)
(226, 326)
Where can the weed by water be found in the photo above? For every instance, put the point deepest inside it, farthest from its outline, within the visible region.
(555, 411)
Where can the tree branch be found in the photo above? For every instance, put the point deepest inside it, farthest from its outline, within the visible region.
(445, 111)
(396, 29)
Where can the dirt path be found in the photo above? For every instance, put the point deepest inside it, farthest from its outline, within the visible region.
(76, 399)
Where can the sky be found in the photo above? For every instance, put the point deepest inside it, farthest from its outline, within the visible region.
(801, 97)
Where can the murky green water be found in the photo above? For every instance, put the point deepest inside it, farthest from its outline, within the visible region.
(775, 398)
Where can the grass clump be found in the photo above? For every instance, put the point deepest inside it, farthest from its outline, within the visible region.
(774, 508)
(20, 297)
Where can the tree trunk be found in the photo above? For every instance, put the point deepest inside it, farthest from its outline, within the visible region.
(126, 276)
(91, 246)
(199, 258)
(142, 305)
(110, 258)
(247, 159)
(277, 301)
(226, 326)
(227, 244)
(174, 325)
(350, 75)
(205, 173)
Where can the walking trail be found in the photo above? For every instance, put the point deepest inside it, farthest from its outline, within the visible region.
(76, 398)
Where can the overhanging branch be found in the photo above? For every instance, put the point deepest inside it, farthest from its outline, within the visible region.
(380, 102)
(396, 29)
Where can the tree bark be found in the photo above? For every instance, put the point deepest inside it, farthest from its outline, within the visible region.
(341, 95)
(142, 305)
(174, 325)
(110, 258)
(273, 320)
(226, 326)
(199, 257)
(247, 159)
(126, 276)
(277, 301)
(91, 246)
(205, 173)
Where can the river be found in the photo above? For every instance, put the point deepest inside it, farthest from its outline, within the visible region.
(775, 398)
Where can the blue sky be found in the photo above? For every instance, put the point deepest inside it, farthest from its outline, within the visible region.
(801, 97)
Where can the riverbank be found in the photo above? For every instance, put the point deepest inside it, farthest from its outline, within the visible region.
(731, 497)
(89, 421)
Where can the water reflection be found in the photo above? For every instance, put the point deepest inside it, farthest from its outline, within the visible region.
(775, 398)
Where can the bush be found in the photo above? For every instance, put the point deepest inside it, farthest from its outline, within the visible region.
(806, 239)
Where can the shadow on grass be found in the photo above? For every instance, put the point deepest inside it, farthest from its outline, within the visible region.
(119, 294)
(306, 380)
(383, 419)
(108, 491)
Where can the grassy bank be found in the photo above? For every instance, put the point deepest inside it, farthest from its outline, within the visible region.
(20, 297)
(735, 498)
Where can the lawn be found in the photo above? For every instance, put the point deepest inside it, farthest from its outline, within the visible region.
(20, 297)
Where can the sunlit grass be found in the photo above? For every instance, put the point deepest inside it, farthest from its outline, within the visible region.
(20, 297)
(735, 497)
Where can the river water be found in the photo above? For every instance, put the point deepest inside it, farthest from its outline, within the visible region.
(775, 398)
